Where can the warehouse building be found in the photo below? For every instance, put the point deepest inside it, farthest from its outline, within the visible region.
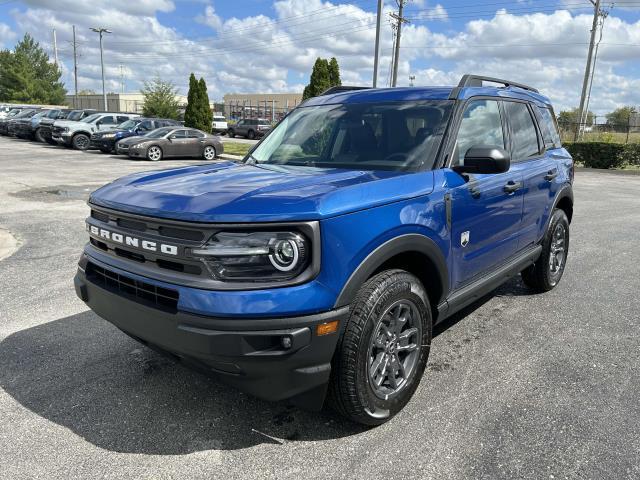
(272, 106)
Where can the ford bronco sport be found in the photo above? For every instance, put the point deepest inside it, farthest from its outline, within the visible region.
(318, 266)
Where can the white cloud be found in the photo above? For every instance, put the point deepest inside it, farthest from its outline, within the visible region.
(209, 18)
(7, 36)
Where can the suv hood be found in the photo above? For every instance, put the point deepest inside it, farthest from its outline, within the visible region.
(71, 124)
(229, 192)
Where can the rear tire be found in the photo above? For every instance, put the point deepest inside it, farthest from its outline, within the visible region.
(209, 153)
(547, 271)
(80, 141)
(383, 351)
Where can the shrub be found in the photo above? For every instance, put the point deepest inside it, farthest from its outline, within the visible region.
(630, 154)
(597, 154)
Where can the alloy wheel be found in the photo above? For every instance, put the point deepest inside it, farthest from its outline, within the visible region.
(154, 153)
(209, 153)
(557, 251)
(394, 349)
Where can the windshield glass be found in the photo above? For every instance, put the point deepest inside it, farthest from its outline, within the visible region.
(75, 116)
(128, 125)
(92, 118)
(158, 132)
(364, 136)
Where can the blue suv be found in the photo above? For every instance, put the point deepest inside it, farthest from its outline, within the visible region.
(317, 267)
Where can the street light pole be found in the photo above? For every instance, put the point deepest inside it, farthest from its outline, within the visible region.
(101, 31)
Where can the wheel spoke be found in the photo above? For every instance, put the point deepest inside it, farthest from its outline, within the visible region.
(407, 334)
(400, 365)
(407, 348)
(375, 366)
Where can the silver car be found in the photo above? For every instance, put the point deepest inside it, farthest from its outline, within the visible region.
(171, 142)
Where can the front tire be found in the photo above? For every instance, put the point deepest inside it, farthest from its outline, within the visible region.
(38, 136)
(231, 133)
(80, 141)
(251, 134)
(547, 271)
(154, 153)
(381, 356)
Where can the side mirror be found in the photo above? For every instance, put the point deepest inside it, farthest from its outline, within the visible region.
(171, 137)
(485, 159)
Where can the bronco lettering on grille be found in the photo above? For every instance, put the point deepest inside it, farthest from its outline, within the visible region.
(133, 241)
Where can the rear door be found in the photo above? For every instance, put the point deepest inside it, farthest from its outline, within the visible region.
(196, 143)
(539, 169)
(486, 209)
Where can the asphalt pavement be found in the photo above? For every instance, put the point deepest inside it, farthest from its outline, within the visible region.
(518, 386)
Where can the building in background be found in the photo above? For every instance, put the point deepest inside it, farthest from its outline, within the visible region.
(116, 102)
(272, 106)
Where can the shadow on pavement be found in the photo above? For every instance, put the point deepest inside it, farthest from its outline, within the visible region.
(83, 374)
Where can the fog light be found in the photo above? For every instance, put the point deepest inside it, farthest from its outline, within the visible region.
(286, 342)
(327, 328)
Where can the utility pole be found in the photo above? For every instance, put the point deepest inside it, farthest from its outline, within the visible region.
(55, 47)
(587, 70)
(411, 79)
(75, 66)
(102, 31)
(399, 21)
(377, 48)
(585, 116)
(121, 78)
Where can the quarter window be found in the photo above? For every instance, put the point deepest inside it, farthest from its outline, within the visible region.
(523, 131)
(481, 125)
(549, 128)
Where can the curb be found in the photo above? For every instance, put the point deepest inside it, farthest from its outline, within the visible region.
(605, 170)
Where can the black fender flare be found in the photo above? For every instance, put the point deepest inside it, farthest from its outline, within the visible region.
(411, 242)
(566, 191)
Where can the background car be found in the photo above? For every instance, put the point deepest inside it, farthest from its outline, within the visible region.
(250, 128)
(106, 141)
(30, 129)
(172, 142)
(46, 124)
(78, 134)
(6, 124)
(219, 125)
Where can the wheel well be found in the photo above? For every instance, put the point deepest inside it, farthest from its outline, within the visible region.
(81, 133)
(566, 205)
(422, 267)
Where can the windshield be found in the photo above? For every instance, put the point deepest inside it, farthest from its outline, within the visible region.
(75, 116)
(219, 119)
(92, 118)
(363, 136)
(158, 132)
(129, 124)
(26, 113)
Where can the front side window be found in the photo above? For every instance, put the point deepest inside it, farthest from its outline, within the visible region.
(524, 137)
(367, 136)
(481, 125)
(108, 120)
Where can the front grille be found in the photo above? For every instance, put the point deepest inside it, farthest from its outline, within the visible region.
(141, 292)
(57, 130)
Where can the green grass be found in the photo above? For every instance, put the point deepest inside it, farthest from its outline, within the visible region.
(236, 148)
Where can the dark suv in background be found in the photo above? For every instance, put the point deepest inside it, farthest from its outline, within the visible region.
(250, 128)
(7, 123)
(106, 141)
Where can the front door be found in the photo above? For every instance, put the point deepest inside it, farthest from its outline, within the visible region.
(486, 209)
(178, 144)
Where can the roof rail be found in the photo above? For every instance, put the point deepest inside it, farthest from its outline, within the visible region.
(476, 81)
(341, 88)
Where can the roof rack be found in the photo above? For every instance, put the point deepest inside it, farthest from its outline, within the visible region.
(341, 88)
(477, 80)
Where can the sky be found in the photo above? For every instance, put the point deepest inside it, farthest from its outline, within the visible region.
(261, 46)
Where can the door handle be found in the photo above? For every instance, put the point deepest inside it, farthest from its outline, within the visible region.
(512, 186)
(551, 174)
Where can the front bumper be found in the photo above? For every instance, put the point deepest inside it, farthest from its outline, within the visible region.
(247, 353)
(103, 144)
(62, 138)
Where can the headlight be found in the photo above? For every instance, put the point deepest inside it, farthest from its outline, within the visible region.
(255, 256)
(109, 135)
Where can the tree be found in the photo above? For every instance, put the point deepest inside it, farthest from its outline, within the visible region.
(160, 99)
(620, 116)
(205, 107)
(27, 76)
(334, 73)
(190, 115)
(571, 116)
(198, 112)
(87, 91)
(320, 79)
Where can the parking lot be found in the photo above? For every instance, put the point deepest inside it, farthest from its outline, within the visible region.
(518, 385)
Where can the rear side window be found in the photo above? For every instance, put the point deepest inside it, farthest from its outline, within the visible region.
(122, 119)
(524, 136)
(549, 128)
(195, 134)
(481, 125)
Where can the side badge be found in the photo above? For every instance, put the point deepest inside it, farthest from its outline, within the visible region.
(464, 239)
